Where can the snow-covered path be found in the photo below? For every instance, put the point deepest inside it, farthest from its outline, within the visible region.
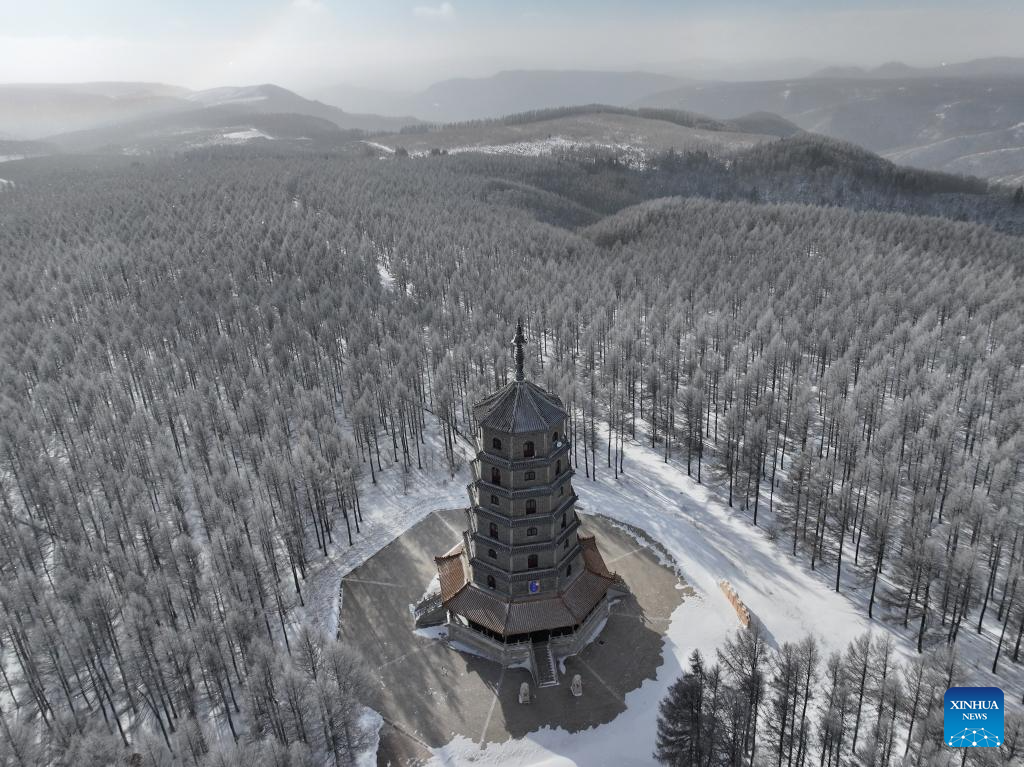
(710, 543)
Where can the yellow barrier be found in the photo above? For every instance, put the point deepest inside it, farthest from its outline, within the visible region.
(734, 599)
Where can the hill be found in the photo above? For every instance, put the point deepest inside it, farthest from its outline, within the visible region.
(268, 99)
(996, 66)
(633, 134)
(940, 123)
(505, 93)
(803, 169)
(203, 127)
(38, 111)
(35, 111)
(17, 150)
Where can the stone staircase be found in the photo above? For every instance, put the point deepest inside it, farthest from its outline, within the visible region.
(544, 662)
(430, 612)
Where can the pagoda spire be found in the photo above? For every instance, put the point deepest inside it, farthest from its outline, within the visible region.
(519, 341)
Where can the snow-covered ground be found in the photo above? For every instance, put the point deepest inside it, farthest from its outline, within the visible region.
(387, 279)
(708, 541)
(233, 137)
(381, 147)
(545, 146)
(370, 721)
(228, 95)
(397, 502)
(633, 156)
(245, 135)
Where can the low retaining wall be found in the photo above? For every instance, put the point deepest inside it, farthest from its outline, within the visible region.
(521, 653)
(574, 643)
(505, 654)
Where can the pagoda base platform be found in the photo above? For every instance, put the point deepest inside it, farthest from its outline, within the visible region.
(429, 692)
(463, 638)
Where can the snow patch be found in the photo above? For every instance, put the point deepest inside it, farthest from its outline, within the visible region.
(370, 721)
(434, 587)
(228, 95)
(248, 134)
(432, 632)
(633, 156)
(380, 146)
(387, 279)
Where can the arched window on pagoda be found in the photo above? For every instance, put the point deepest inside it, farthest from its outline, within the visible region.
(496, 443)
(558, 468)
(564, 520)
(568, 571)
(490, 582)
(531, 532)
(493, 531)
(492, 553)
(528, 449)
(531, 506)
(495, 476)
(531, 562)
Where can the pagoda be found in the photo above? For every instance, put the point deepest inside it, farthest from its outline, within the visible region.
(526, 584)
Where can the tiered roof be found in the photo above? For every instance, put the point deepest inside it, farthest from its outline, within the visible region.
(519, 407)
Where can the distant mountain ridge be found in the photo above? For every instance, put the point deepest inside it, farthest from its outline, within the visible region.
(218, 124)
(29, 111)
(965, 117)
(764, 123)
(268, 99)
(972, 126)
(633, 136)
(994, 67)
(509, 92)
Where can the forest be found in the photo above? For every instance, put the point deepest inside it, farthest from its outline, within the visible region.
(859, 705)
(202, 369)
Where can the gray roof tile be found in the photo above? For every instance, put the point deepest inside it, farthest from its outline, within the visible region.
(519, 407)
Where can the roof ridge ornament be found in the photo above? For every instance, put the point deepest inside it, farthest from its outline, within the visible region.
(519, 341)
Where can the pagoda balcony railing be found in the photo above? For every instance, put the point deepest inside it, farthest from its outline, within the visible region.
(523, 520)
(526, 575)
(534, 462)
(485, 541)
(532, 491)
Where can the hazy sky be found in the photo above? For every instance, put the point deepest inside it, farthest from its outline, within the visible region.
(392, 43)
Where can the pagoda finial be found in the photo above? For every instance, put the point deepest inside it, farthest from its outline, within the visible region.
(519, 341)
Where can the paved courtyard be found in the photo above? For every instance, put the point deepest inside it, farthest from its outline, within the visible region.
(428, 693)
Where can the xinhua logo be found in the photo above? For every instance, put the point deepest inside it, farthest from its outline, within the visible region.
(973, 717)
